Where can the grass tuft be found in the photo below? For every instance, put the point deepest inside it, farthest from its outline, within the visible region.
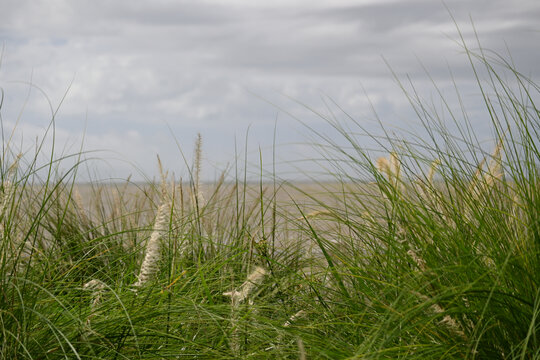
(430, 252)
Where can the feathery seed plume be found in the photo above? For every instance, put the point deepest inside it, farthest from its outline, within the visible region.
(237, 297)
(198, 195)
(432, 169)
(97, 287)
(417, 259)
(447, 319)
(253, 281)
(395, 166)
(495, 170)
(293, 318)
(153, 248)
(314, 214)
(390, 166)
(383, 166)
(483, 181)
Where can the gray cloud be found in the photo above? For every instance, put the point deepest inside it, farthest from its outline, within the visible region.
(139, 65)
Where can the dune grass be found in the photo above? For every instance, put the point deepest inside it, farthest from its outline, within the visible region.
(437, 256)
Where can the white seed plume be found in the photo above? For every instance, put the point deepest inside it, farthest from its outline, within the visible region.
(383, 166)
(495, 170)
(150, 264)
(153, 248)
(477, 178)
(292, 319)
(417, 259)
(97, 287)
(432, 170)
(483, 181)
(395, 167)
(239, 295)
(391, 166)
(253, 281)
(198, 197)
(447, 319)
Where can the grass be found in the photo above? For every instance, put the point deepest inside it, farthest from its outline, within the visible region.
(437, 256)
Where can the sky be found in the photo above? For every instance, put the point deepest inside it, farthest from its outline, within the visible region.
(132, 79)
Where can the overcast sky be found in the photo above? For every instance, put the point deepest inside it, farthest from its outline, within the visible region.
(141, 76)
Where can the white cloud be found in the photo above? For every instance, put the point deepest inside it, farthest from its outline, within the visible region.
(139, 65)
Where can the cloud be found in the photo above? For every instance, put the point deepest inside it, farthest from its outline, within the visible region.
(127, 67)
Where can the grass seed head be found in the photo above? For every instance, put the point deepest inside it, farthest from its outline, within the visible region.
(253, 281)
(153, 248)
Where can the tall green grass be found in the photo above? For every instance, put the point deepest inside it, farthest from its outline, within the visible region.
(438, 256)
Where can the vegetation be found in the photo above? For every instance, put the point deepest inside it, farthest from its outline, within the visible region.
(437, 257)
